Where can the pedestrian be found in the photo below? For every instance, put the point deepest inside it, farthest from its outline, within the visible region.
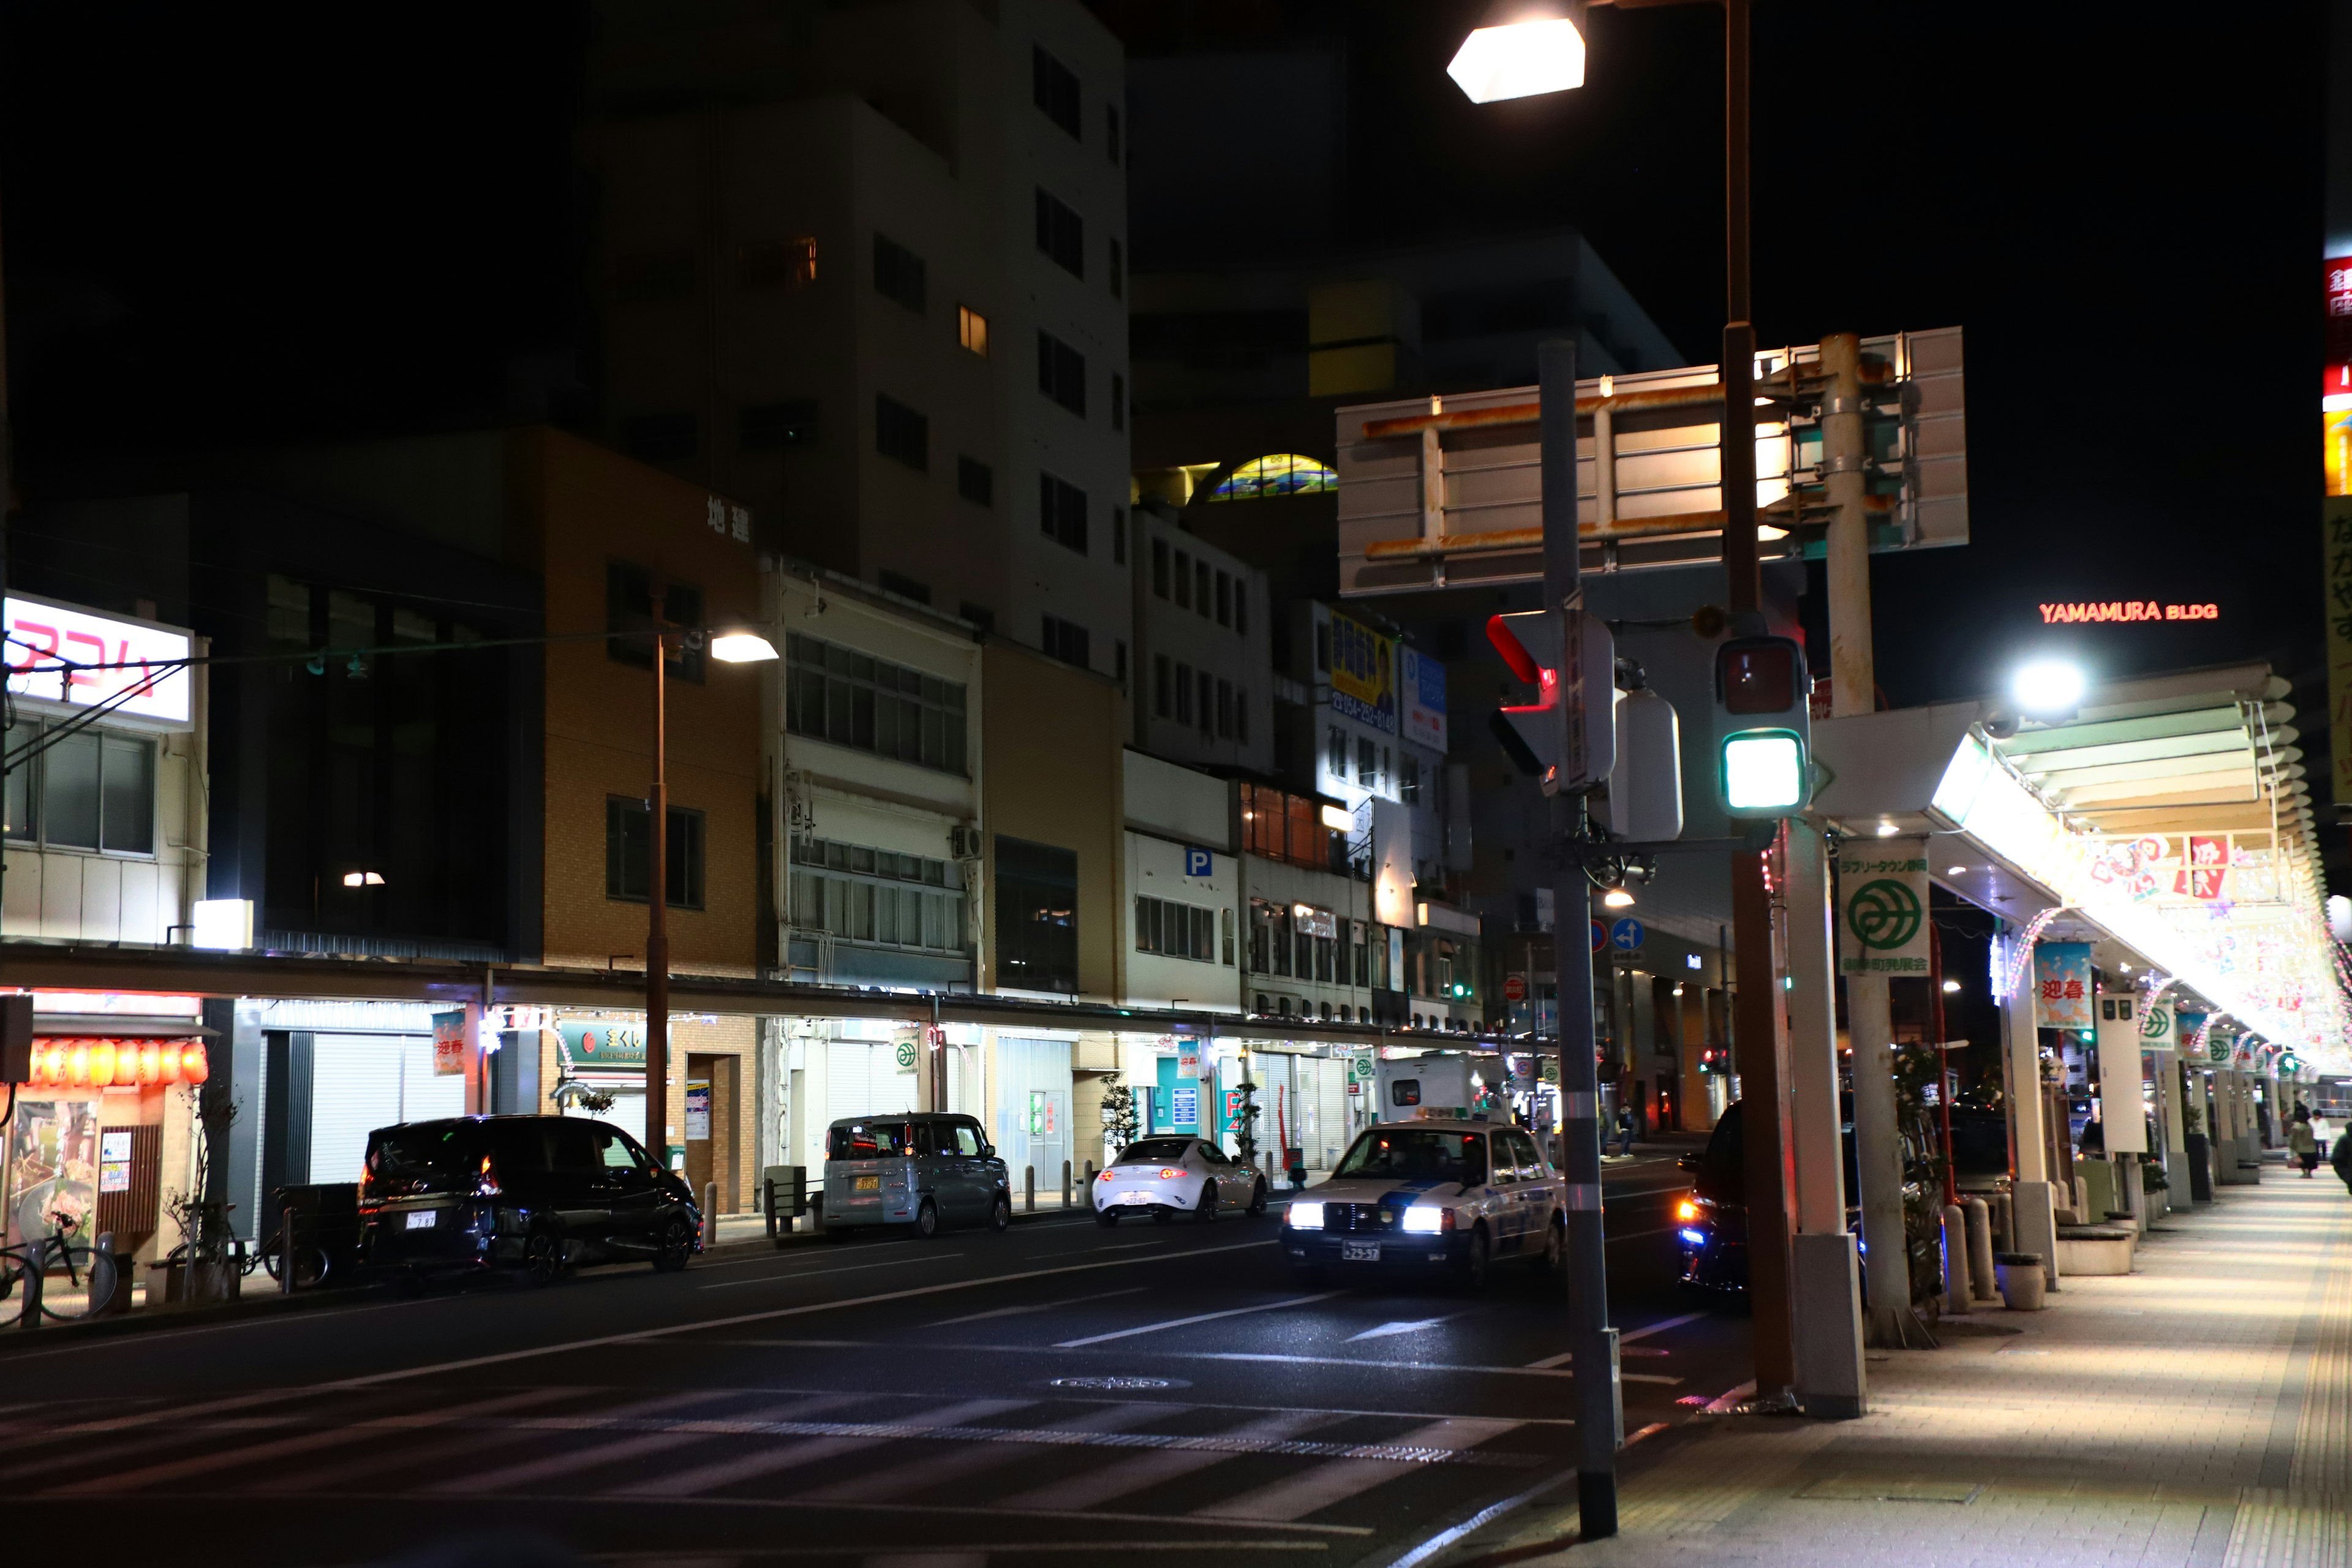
(2340, 1158)
(1625, 1130)
(2303, 1143)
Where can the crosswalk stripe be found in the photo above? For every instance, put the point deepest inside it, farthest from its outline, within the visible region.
(321, 1477)
(1124, 1478)
(1187, 1323)
(930, 1469)
(1296, 1496)
(744, 1466)
(546, 1466)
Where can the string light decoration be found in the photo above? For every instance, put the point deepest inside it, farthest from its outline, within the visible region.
(2021, 955)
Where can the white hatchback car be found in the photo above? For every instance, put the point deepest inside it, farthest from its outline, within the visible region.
(1433, 1196)
(1164, 1177)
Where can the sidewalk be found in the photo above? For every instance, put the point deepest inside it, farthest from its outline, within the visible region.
(2196, 1413)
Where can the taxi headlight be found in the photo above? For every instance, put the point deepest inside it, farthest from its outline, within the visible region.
(1423, 1219)
(1306, 1216)
(1686, 1209)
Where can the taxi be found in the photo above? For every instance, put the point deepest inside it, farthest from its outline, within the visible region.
(1432, 1197)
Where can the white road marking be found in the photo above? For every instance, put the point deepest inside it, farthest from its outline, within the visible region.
(1187, 1323)
(1414, 1327)
(793, 1455)
(926, 1470)
(570, 1462)
(1296, 1496)
(1038, 1306)
(1625, 1339)
(812, 1273)
(1398, 1365)
(1124, 1478)
(816, 1254)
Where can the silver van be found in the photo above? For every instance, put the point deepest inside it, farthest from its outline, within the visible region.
(919, 1169)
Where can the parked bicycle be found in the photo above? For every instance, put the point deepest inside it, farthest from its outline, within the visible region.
(73, 1277)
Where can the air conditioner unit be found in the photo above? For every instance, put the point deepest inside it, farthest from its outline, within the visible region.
(963, 842)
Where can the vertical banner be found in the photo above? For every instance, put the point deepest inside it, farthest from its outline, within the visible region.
(2335, 584)
(2062, 985)
(449, 1034)
(2159, 1028)
(1363, 675)
(1882, 923)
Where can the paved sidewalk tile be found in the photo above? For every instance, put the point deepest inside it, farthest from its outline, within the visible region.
(2196, 1413)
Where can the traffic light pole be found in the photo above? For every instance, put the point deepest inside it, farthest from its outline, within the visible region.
(1600, 1412)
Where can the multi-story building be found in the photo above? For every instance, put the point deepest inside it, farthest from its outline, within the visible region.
(865, 267)
(1204, 628)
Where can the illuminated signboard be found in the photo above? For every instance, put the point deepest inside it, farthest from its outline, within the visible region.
(1363, 675)
(62, 657)
(2127, 610)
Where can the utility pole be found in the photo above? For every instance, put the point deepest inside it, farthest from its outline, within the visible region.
(1600, 1411)
(657, 921)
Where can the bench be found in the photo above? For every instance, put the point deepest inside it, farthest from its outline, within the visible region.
(2096, 1249)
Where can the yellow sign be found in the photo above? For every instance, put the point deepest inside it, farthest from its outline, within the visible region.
(2336, 559)
(1363, 675)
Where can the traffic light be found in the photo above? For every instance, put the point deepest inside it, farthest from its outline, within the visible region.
(1763, 726)
(1567, 736)
(1714, 1063)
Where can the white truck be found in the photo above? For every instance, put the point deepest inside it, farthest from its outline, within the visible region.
(1459, 1086)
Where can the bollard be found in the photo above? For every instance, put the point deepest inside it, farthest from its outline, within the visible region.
(1065, 1184)
(286, 1251)
(2005, 1222)
(767, 1205)
(37, 1252)
(1029, 1189)
(709, 1214)
(1090, 1176)
(1956, 1260)
(1981, 1287)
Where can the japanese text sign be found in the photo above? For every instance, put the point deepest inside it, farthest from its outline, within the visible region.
(2063, 994)
(1883, 907)
(62, 657)
(1363, 675)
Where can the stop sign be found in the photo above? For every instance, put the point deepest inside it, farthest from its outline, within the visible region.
(1515, 989)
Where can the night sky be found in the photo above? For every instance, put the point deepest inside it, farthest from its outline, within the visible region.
(265, 223)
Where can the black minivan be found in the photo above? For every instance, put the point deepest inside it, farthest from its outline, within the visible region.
(538, 1194)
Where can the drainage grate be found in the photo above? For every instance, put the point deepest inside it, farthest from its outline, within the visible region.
(1118, 1385)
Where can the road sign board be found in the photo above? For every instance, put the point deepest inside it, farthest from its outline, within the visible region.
(1599, 936)
(1514, 988)
(906, 1056)
(1627, 934)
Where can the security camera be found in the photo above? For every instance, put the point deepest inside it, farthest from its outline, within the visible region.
(2000, 721)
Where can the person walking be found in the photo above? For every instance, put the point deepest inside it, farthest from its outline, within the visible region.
(2302, 1143)
(1624, 1130)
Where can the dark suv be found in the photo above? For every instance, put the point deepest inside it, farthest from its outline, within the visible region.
(535, 1193)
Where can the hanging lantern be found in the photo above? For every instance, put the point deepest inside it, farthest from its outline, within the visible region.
(50, 1064)
(194, 1068)
(78, 1064)
(167, 1059)
(151, 1067)
(126, 1064)
(101, 1063)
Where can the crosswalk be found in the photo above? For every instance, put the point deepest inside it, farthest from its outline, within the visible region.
(996, 1463)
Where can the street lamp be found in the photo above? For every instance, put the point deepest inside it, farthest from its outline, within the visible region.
(1519, 59)
(2047, 688)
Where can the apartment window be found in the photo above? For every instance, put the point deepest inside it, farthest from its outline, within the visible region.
(1241, 715)
(1119, 662)
(904, 586)
(1111, 131)
(975, 481)
(971, 330)
(778, 263)
(1160, 567)
(628, 853)
(1226, 935)
(1037, 916)
(776, 427)
(653, 275)
(1184, 580)
(1062, 374)
(1201, 588)
(1225, 709)
(1408, 781)
(1322, 647)
(1067, 641)
(1118, 536)
(661, 437)
(1241, 607)
(1163, 701)
(1184, 693)
(901, 433)
(628, 612)
(93, 790)
(1208, 704)
(1062, 513)
(1367, 763)
(1117, 401)
(979, 616)
(898, 273)
(1054, 87)
(1117, 271)
(1224, 599)
(860, 894)
(1061, 232)
(837, 694)
(1335, 749)
(1174, 929)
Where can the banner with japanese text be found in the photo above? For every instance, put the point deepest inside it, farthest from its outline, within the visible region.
(2336, 584)
(1883, 907)
(2062, 985)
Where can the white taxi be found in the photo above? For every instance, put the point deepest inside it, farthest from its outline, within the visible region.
(1166, 1177)
(1436, 1196)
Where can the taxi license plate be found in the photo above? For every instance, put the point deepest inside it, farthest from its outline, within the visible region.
(1132, 1199)
(868, 1184)
(420, 1219)
(1359, 1252)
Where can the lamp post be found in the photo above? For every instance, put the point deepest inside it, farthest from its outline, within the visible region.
(734, 645)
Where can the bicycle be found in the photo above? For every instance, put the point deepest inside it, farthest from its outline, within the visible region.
(89, 1280)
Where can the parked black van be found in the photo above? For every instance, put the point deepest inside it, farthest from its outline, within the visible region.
(538, 1194)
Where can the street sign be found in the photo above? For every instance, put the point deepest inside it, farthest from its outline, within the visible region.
(1627, 934)
(906, 1056)
(1599, 936)
(1514, 988)
(1199, 862)
(1883, 907)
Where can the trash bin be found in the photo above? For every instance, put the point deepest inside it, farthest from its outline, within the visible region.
(2022, 1281)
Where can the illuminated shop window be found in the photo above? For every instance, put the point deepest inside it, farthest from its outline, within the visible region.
(1282, 474)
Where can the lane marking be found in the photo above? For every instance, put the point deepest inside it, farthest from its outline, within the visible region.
(1396, 1365)
(1111, 1247)
(817, 1255)
(976, 1550)
(703, 1326)
(1195, 1318)
(1039, 1307)
(570, 1461)
(744, 1466)
(925, 1471)
(812, 1273)
(1296, 1496)
(1641, 1333)
(1125, 1477)
(1414, 1327)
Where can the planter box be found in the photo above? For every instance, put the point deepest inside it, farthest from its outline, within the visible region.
(2095, 1249)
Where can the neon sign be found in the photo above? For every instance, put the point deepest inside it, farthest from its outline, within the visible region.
(61, 657)
(2127, 610)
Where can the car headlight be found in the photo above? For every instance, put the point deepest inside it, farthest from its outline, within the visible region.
(1422, 1220)
(1306, 1216)
(1686, 1209)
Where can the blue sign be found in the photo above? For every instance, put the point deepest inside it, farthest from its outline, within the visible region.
(1599, 936)
(1199, 862)
(1627, 934)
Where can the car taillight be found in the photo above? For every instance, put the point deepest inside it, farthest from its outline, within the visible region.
(367, 1181)
(1169, 1173)
(1686, 1209)
(486, 1184)
(1103, 1177)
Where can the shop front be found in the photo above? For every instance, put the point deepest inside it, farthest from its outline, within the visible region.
(593, 1064)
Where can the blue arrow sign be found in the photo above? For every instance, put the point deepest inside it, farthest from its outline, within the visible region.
(1627, 934)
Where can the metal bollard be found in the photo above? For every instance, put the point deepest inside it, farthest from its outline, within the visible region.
(709, 1214)
(286, 1251)
(1956, 1260)
(1981, 1286)
(1090, 1176)
(37, 1250)
(767, 1205)
(1065, 1184)
(2004, 1223)
(1029, 1189)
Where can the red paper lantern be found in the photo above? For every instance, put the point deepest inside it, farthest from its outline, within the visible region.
(78, 1064)
(101, 1063)
(151, 1066)
(194, 1068)
(168, 1060)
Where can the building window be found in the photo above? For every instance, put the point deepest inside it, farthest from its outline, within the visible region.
(904, 586)
(1241, 607)
(1174, 929)
(654, 275)
(1409, 779)
(1184, 580)
(1119, 662)
(837, 694)
(971, 330)
(1061, 232)
(898, 273)
(1226, 936)
(1201, 588)
(901, 433)
(1225, 709)
(1117, 271)
(1336, 751)
(1368, 771)
(1184, 693)
(1037, 916)
(1062, 513)
(1224, 599)
(979, 616)
(1066, 640)
(1118, 536)
(1054, 87)
(1208, 704)
(1062, 374)
(1241, 715)
(1160, 567)
(1118, 402)
(661, 437)
(1163, 699)
(975, 481)
(628, 616)
(858, 894)
(93, 789)
(628, 853)
(1281, 474)
(1111, 131)
(778, 263)
(775, 426)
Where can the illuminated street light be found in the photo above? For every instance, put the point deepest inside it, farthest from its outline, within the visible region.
(363, 878)
(2047, 688)
(1617, 899)
(740, 647)
(1952, 985)
(1520, 59)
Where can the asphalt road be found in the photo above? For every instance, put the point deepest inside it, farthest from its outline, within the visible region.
(1064, 1393)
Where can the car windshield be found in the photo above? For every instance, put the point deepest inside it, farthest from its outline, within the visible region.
(869, 1141)
(1417, 1154)
(1154, 1151)
(424, 1149)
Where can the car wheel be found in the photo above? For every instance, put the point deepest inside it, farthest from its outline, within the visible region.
(1478, 1263)
(676, 1245)
(1207, 1212)
(1554, 1260)
(1000, 1216)
(542, 1257)
(1106, 1219)
(926, 1220)
(1258, 1197)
